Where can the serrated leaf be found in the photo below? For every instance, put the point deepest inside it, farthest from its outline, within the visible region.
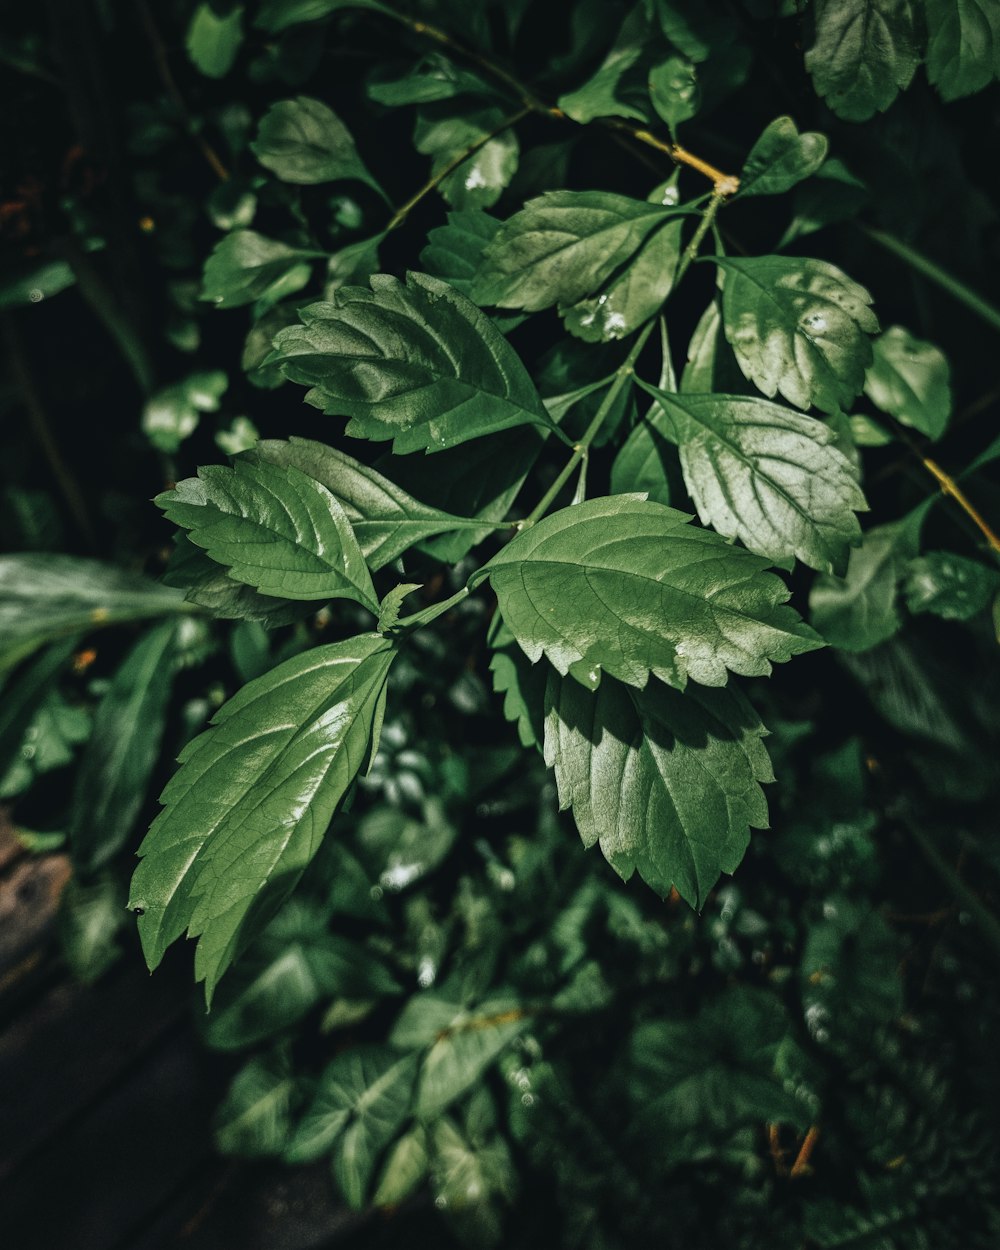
(116, 767)
(910, 380)
(386, 520)
(782, 157)
(443, 133)
(246, 267)
(863, 54)
(963, 45)
(666, 783)
(213, 40)
(454, 252)
(952, 587)
(209, 586)
(564, 246)
(860, 610)
(798, 326)
(362, 1098)
(766, 475)
(43, 597)
(637, 294)
(246, 811)
(275, 529)
(303, 141)
(419, 364)
(254, 1119)
(388, 612)
(628, 587)
(521, 683)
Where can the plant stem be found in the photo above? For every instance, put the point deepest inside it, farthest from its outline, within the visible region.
(707, 222)
(623, 376)
(402, 213)
(916, 260)
(988, 923)
(724, 184)
(950, 487)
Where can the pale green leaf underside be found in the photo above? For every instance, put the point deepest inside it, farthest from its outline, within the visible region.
(863, 54)
(275, 529)
(386, 520)
(563, 247)
(910, 380)
(419, 364)
(629, 587)
(668, 784)
(799, 327)
(253, 797)
(766, 475)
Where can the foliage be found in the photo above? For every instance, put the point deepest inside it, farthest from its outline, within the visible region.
(547, 493)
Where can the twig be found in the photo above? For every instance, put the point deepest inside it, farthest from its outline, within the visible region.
(950, 487)
(402, 213)
(42, 431)
(170, 84)
(801, 1165)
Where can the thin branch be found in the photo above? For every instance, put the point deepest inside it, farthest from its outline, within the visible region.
(173, 91)
(801, 1165)
(402, 213)
(950, 487)
(42, 430)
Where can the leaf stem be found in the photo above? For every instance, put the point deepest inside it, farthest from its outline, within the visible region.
(622, 377)
(724, 184)
(404, 211)
(916, 260)
(426, 615)
(950, 487)
(707, 223)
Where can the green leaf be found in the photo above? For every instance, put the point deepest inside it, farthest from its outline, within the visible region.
(386, 520)
(43, 597)
(116, 767)
(472, 1174)
(564, 246)
(274, 528)
(666, 783)
(782, 157)
(629, 587)
(173, 413)
(454, 252)
(636, 295)
(673, 89)
(419, 364)
(362, 1098)
(698, 30)
(246, 811)
(617, 88)
(209, 586)
(699, 1079)
(405, 1168)
(639, 466)
(24, 698)
(443, 134)
(834, 194)
(860, 610)
(766, 475)
(711, 366)
(798, 326)
(963, 45)
(245, 267)
(436, 77)
(463, 1043)
(910, 380)
(254, 1120)
(862, 54)
(278, 15)
(303, 141)
(521, 683)
(90, 918)
(29, 283)
(213, 39)
(949, 586)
